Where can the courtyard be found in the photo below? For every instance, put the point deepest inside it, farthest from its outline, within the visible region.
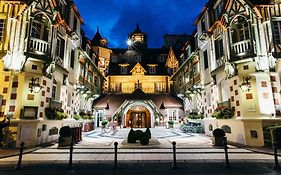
(194, 153)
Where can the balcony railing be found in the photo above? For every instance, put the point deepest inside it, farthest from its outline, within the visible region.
(39, 46)
(241, 48)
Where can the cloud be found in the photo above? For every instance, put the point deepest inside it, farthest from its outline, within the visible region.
(117, 18)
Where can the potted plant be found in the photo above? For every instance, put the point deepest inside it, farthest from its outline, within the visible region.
(65, 138)
(171, 123)
(104, 123)
(131, 137)
(218, 137)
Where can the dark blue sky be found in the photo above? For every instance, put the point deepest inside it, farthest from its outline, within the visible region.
(117, 18)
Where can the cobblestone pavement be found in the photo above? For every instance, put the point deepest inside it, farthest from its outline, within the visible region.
(97, 148)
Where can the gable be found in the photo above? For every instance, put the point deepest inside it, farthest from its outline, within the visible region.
(47, 6)
(138, 69)
(172, 60)
(236, 7)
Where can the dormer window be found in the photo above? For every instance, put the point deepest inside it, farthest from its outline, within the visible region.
(152, 69)
(123, 68)
(114, 58)
(137, 58)
(162, 58)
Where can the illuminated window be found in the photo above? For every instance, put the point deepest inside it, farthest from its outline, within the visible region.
(173, 114)
(2, 28)
(152, 69)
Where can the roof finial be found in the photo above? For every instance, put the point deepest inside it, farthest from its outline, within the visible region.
(98, 29)
(138, 26)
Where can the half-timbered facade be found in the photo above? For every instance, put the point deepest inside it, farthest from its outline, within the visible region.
(40, 68)
(238, 43)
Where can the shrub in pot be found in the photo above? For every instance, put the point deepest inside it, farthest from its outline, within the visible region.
(144, 139)
(104, 123)
(171, 123)
(65, 138)
(138, 134)
(218, 137)
(131, 137)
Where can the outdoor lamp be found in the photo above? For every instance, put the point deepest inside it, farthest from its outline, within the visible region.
(35, 85)
(245, 85)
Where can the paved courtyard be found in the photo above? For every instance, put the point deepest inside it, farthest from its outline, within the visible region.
(97, 148)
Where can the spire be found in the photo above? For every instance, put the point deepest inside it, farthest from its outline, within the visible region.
(97, 38)
(138, 30)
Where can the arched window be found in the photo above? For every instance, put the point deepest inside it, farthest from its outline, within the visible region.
(40, 27)
(240, 29)
(226, 129)
(210, 127)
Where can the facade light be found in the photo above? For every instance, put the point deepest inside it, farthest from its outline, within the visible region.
(35, 85)
(245, 85)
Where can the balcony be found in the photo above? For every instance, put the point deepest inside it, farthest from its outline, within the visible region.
(242, 48)
(38, 46)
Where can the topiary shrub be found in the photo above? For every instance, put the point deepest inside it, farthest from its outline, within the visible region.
(147, 131)
(65, 131)
(218, 137)
(218, 133)
(144, 139)
(131, 137)
(138, 134)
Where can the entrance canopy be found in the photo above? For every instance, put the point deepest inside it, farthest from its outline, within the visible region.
(112, 102)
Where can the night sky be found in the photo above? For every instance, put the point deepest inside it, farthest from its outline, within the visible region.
(117, 18)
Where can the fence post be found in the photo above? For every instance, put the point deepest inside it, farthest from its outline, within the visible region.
(227, 165)
(276, 164)
(70, 156)
(174, 155)
(19, 166)
(115, 155)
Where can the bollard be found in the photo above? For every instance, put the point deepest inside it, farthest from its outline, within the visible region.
(227, 165)
(174, 155)
(19, 166)
(115, 155)
(70, 156)
(276, 164)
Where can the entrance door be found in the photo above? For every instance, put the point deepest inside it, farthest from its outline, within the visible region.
(138, 120)
(138, 117)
